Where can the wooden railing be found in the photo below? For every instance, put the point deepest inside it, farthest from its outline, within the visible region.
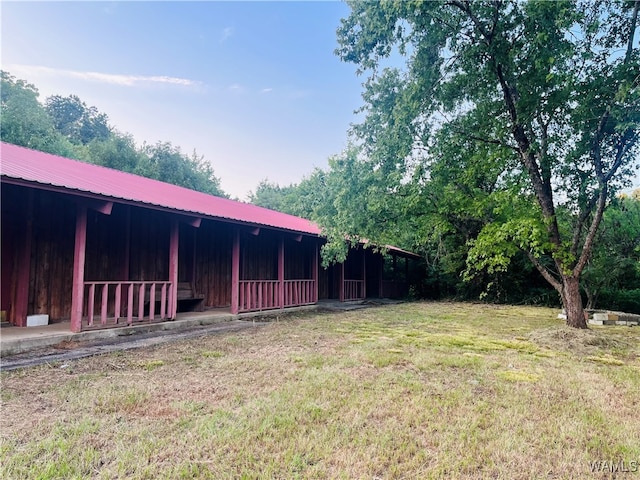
(117, 303)
(353, 289)
(258, 295)
(299, 292)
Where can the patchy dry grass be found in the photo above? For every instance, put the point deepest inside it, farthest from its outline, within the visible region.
(421, 390)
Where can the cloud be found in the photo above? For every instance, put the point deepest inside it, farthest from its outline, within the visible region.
(110, 78)
(226, 33)
(236, 88)
(266, 90)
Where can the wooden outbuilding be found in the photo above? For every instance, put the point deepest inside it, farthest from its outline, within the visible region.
(105, 248)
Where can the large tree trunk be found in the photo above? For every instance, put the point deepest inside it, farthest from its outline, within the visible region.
(572, 302)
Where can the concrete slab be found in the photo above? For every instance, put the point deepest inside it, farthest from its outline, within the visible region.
(605, 316)
(15, 340)
(76, 350)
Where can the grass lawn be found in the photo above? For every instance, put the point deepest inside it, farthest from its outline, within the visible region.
(417, 390)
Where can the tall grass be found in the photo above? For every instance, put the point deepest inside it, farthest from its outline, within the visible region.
(419, 390)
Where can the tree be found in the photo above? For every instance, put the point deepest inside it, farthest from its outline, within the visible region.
(550, 92)
(76, 121)
(305, 199)
(24, 120)
(273, 196)
(119, 152)
(167, 163)
(615, 262)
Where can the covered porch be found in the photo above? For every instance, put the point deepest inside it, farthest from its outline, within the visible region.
(100, 264)
(369, 273)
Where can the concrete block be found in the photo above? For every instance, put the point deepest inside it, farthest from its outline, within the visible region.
(37, 320)
(605, 316)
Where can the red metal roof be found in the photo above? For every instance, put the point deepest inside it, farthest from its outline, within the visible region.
(23, 164)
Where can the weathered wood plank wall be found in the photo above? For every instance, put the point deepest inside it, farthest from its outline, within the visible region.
(51, 254)
(259, 256)
(213, 262)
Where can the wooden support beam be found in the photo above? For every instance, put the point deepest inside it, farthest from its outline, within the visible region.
(21, 306)
(79, 250)
(314, 272)
(406, 271)
(298, 238)
(195, 222)
(364, 273)
(281, 273)
(381, 276)
(194, 261)
(127, 245)
(100, 206)
(341, 293)
(235, 273)
(255, 231)
(173, 268)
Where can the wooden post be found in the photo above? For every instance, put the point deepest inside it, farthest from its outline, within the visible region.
(126, 262)
(381, 278)
(281, 273)
(173, 268)
(235, 273)
(79, 251)
(194, 262)
(127, 244)
(341, 292)
(21, 307)
(314, 272)
(364, 273)
(406, 274)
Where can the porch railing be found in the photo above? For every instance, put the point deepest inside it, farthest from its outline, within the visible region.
(353, 289)
(116, 303)
(257, 295)
(299, 292)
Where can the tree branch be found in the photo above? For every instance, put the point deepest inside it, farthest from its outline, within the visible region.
(634, 21)
(588, 243)
(545, 272)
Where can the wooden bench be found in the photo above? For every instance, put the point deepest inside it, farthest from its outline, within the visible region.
(187, 295)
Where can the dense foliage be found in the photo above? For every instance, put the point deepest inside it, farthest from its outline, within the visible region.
(513, 122)
(66, 126)
(495, 135)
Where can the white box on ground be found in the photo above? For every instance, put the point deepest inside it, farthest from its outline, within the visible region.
(37, 320)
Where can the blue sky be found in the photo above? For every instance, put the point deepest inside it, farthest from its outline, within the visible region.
(252, 86)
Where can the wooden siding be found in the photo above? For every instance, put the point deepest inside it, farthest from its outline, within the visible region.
(132, 245)
(106, 245)
(299, 258)
(149, 255)
(259, 256)
(52, 223)
(373, 273)
(353, 264)
(213, 263)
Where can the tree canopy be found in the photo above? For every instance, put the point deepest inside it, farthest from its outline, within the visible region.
(515, 120)
(67, 126)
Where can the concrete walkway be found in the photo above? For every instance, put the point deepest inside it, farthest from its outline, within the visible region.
(66, 351)
(17, 340)
(14, 340)
(28, 346)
